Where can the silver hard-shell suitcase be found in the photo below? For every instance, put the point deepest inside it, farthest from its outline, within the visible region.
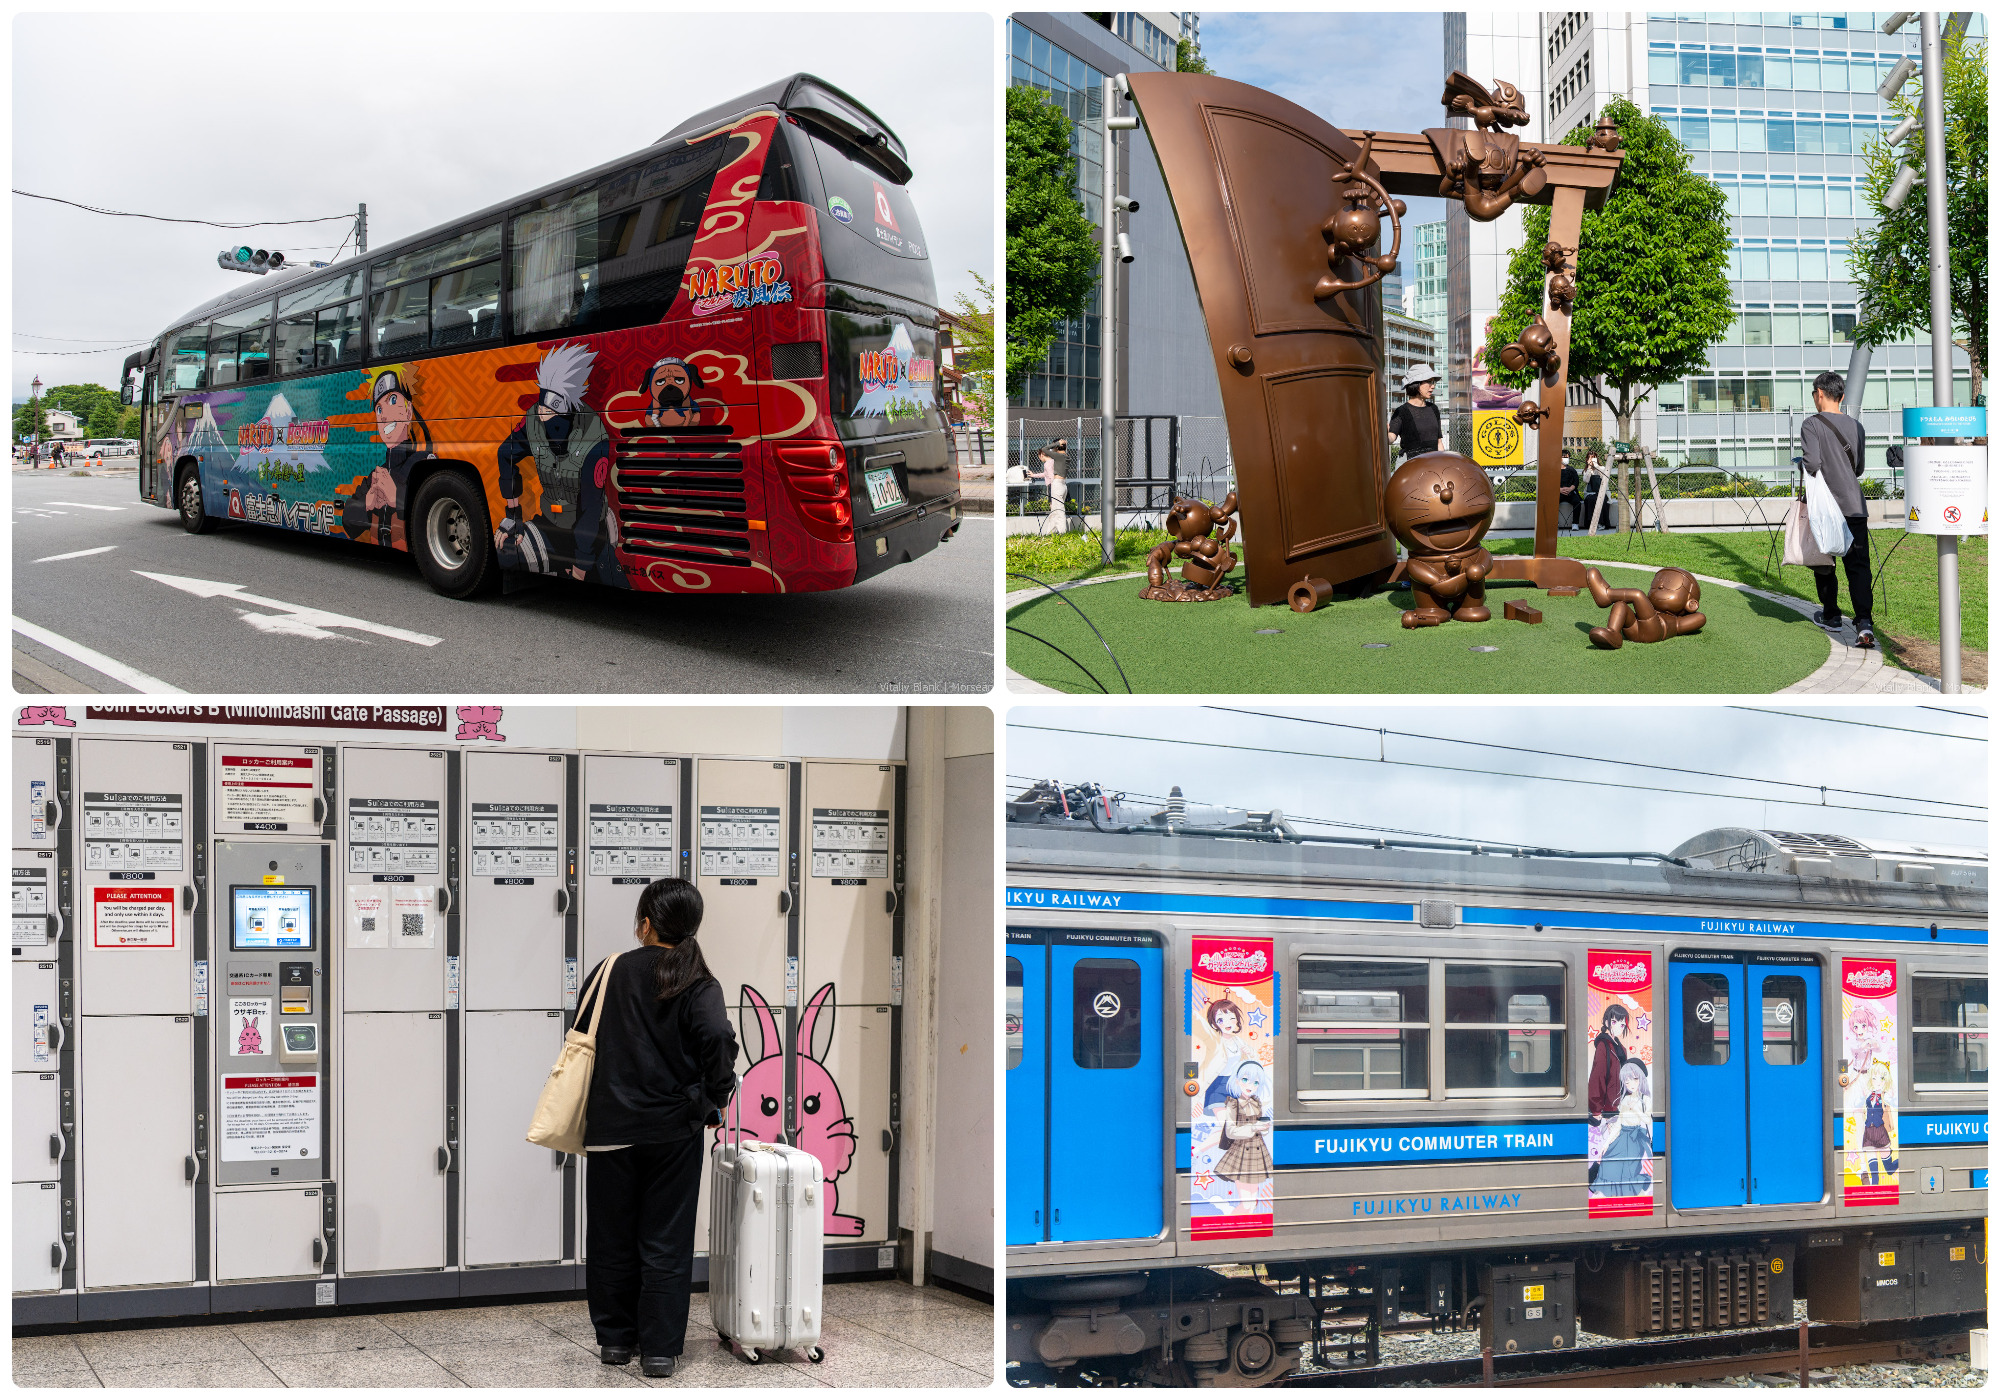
(765, 1247)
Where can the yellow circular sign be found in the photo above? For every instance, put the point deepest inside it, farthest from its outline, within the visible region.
(1777, 1266)
(1497, 439)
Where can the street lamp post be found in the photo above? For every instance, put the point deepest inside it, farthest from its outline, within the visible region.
(1117, 249)
(35, 417)
(1949, 638)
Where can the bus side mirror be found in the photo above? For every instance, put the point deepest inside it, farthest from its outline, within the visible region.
(125, 394)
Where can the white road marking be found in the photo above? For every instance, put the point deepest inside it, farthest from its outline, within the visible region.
(303, 617)
(77, 554)
(96, 660)
(84, 505)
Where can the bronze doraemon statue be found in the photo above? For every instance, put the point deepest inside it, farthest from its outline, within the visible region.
(1671, 607)
(1440, 506)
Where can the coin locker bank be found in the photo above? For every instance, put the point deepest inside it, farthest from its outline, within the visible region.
(282, 1011)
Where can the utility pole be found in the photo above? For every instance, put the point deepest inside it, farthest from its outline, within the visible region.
(1949, 638)
(361, 232)
(35, 416)
(1117, 249)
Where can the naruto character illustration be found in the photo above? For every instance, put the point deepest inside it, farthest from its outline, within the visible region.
(670, 386)
(406, 438)
(571, 450)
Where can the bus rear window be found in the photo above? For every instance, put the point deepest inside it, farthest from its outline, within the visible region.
(873, 207)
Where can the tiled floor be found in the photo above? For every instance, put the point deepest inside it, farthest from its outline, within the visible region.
(875, 1334)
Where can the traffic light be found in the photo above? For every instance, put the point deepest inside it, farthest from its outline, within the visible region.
(257, 260)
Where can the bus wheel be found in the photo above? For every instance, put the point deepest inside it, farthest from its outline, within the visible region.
(452, 539)
(195, 518)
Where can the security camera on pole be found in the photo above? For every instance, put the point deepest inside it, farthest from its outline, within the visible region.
(1117, 249)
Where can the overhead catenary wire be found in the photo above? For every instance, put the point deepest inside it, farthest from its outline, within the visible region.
(1593, 758)
(1891, 728)
(1460, 770)
(165, 219)
(107, 350)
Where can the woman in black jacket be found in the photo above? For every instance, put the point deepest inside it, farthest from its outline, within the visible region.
(666, 1064)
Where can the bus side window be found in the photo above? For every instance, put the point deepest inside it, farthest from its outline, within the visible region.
(221, 356)
(781, 178)
(190, 363)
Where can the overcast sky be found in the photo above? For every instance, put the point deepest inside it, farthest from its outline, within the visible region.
(1383, 72)
(260, 114)
(1761, 748)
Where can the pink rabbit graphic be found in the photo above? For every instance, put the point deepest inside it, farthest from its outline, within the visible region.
(251, 1040)
(825, 1128)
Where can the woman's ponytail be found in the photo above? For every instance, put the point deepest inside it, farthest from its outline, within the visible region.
(673, 907)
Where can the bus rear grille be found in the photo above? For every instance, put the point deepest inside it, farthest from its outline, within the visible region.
(680, 495)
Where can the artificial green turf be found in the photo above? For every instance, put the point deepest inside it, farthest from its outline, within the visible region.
(1750, 646)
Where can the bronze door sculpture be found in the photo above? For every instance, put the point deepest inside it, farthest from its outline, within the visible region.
(1253, 179)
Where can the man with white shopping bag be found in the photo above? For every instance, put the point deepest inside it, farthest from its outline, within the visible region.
(1835, 445)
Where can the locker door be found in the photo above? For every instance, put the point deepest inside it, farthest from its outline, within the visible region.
(37, 913)
(513, 1189)
(848, 933)
(1787, 1112)
(741, 869)
(37, 1237)
(1106, 1094)
(133, 936)
(1710, 1149)
(34, 789)
(267, 787)
(1027, 1025)
(515, 896)
(37, 1022)
(631, 837)
(136, 1089)
(392, 837)
(38, 1137)
(392, 1197)
(843, 1114)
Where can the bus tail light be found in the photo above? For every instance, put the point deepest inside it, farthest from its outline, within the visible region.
(815, 475)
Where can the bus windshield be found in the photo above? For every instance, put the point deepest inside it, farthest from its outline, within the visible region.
(883, 246)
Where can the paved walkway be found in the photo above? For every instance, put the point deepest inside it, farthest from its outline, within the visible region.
(875, 1334)
(1849, 670)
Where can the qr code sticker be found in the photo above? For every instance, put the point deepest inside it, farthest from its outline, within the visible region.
(368, 923)
(413, 925)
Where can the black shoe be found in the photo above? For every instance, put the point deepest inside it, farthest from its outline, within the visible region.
(615, 1356)
(1819, 620)
(1864, 632)
(658, 1367)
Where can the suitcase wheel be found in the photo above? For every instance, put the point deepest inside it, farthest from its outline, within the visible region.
(751, 1355)
(815, 1355)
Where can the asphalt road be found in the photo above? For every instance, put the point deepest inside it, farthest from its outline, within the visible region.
(258, 611)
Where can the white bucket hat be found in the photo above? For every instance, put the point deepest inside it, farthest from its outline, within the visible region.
(1418, 374)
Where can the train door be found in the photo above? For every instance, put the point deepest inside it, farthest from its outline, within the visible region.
(1027, 1086)
(1746, 1070)
(1105, 1096)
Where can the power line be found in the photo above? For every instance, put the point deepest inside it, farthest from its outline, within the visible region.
(162, 219)
(1527, 777)
(107, 350)
(1593, 758)
(70, 339)
(1892, 728)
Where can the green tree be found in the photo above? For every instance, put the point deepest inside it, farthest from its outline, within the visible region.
(1652, 278)
(93, 404)
(128, 424)
(1188, 59)
(972, 342)
(1889, 259)
(1051, 247)
(29, 418)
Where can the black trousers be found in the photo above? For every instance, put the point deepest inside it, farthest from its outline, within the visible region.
(1860, 577)
(641, 1243)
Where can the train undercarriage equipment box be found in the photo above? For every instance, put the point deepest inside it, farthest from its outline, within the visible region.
(1529, 1307)
(1655, 1292)
(1888, 1278)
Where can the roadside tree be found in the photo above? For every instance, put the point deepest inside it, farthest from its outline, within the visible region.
(1051, 247)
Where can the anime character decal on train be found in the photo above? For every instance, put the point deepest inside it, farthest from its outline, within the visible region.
(651, 458)
(826, 1129)
(1619, 1096)
(1232, 1041)
(1871, 1152)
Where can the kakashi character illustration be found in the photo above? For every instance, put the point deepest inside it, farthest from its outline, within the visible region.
(571, 450)
(406, 440)
(670, 386)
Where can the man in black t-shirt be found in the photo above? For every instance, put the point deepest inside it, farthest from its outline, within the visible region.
(1414, 427)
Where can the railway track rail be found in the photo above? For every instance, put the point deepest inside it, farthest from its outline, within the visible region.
(1771, 1351)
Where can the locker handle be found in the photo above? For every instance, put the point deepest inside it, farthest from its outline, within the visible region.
(561, 1157)
(444, 899)
(58, 1256)
(562, 899)
(319, 1251)
(52, 813)
(319, 811)
(444, 1159)
(58, 925)
(890, 899)
(62, 1036)
(784, 901)
(193, 1168)
(190, 898)
(56, 1146)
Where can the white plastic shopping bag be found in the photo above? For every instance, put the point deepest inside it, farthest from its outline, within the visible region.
(1829, 526)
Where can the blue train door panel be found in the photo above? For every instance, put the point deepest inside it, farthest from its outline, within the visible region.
(1027, 1025)
(1787, 1159)
(1106, 1096)
(1709, 1160)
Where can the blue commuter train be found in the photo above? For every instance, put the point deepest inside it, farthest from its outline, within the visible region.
(1271, 1094)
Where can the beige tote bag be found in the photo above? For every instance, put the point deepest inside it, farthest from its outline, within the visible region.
(558, 1122)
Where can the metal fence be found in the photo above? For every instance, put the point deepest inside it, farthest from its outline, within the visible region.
(974, 446)
(1155, 459)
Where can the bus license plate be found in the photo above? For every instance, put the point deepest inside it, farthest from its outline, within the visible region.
(883, 492)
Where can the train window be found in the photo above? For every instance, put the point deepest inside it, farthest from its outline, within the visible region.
(1016, 1010)
(1106, 1013)
(1947, 1031)
(1364, 1028)
(1784, 1001)
(1503, 1028)
(1705, 1018)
